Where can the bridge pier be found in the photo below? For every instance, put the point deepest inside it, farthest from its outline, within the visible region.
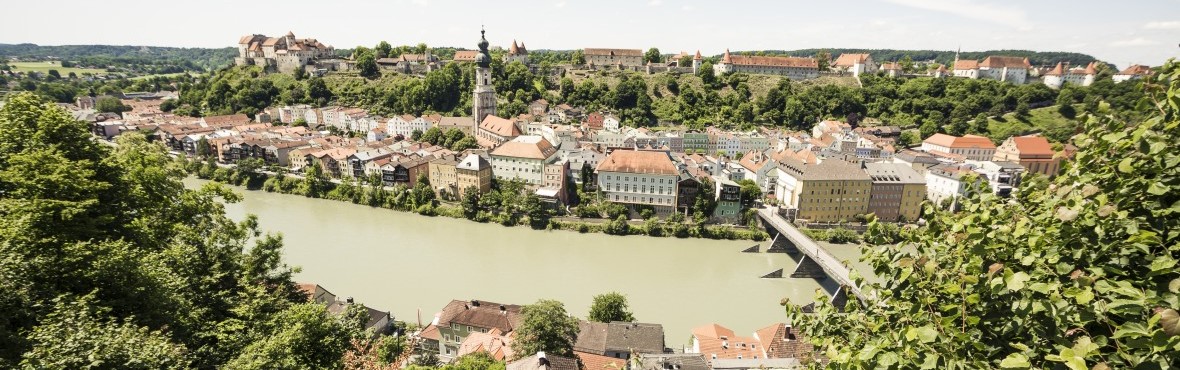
(753, 249)
(808, 268)
(780, 244)
(774, 274)
(840, 298)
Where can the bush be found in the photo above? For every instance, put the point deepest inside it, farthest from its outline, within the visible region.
(841, 235)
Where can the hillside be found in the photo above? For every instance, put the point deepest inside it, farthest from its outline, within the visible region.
(184, 59)
(1047, 121)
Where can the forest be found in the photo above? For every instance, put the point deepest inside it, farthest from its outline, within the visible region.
(151, 59)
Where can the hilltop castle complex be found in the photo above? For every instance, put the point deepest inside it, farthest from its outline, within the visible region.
(285, 54)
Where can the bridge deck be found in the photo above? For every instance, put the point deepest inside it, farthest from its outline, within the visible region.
(831, 265)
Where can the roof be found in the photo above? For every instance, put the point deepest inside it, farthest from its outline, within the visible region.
(473, 162)
(712, 331)
(493, 342)
(637, 161)
(635, 337)
(966, 64)
(482, 314)
(832, 169)
(1032, 145)
(697, 56)
(1136, 70)
(890, 66)
(847, 59)
(795, 62)
(752, 363)
(499, 126)
(956, 142)
(1058, 70)
(613, 52)
(592, 361)
(893, 173)
(527, 146)
(466, 55)
(676, 361)
(1002, 62)
(541, 361)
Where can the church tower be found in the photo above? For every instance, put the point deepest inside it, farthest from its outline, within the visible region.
(483, 103)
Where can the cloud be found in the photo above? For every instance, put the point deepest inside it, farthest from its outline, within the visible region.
(1162, 25)
(1138, 41)
(985, 12)
(655, 2)
(688, 8)
(559, 4)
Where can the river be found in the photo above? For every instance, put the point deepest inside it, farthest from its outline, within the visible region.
(410, 264)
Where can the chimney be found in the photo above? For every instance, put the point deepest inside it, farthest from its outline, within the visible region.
(474, 303)
(542, 362)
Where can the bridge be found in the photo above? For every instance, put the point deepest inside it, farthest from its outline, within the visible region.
(816, 262)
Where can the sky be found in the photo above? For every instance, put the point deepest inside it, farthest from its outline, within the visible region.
(1120, 32)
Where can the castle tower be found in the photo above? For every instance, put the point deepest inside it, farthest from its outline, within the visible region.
(696, 62)
(483, 103)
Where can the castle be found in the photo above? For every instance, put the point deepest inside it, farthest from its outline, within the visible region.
(285, 54)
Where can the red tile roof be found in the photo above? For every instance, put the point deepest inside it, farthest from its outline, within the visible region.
(847, 60)
(1136, 70)
(592, 361)
(773, 61)
(637, 161)
(1001, 62)
(1032, 145)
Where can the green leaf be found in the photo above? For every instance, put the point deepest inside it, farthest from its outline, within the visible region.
(1131, 330)
(1174, 286)
(1157, 188)
(1015, 361)
(1084, 296)
(1126, 165)
(1016, 281)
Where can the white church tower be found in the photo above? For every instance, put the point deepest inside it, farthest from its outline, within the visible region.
(483, 103)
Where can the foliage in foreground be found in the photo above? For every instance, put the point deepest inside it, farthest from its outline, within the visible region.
(108, 262)
(1078, 273)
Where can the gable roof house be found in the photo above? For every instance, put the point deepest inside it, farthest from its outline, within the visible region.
(458, 319)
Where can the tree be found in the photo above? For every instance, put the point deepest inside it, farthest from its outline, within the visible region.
(203, 148)
(318, 91)
(467, 142)
(309, 339)
(314, 181)
(906, 139)
(110, 104)
(432, 135)
(300, 74)
(653, 55)
(907, 63)
(470, 202)
(610, 307)
(416, 135)
(366, 62)
(824, 59)
(545, 327)
(382, 49)
(1005, 284)
(578, 58)
(750, 191)
(77, 335)
(54, 75)
(981, 125)
(685, 61)
(706, 74)
(618, 226)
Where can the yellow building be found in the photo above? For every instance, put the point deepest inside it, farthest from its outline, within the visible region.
(473, 172)
(831, 191)
(443, 177)
(898, 191)
(1033, 152)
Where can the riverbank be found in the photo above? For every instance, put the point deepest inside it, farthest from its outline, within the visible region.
(421, 200)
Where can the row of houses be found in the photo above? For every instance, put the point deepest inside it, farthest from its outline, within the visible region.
(463, 327)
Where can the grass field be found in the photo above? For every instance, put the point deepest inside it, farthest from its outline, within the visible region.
(44, 67)
(1038, 120)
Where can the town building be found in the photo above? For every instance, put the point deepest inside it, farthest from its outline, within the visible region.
(973, 147)
(831, 191)
(496, 344)
(897, 192)
(855, 63)
(671, 361)
(778, 341)
(945, 183)
(1032, 152)
(639, 178)
(891, 69)
(495, 131)
(1133, 72)
(473, 172)
(696, 62)
(466, 56)
(791, 67)
(523, 158)
(1062, 74)
(443, 177)
(613, 57)
(517, 53)
(483, 101)
(617, 339)
(461, 318)
(729, 200)
(284, 54)
(999, 68)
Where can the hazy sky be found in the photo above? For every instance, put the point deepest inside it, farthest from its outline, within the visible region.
(1122, 32)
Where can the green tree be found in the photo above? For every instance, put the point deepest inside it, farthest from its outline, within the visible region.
(907, 64)
(315, 182)
(366, 62)
(653, 55)
(77, 335)
(906, 139)
(618, 226)
(470, 202)
(824, 59)
(318, 91)
(981, 125)
(750, 191)
(545, 327)
(307, 339)
(706, 74)
(389, 348)
(432, 135)
(609, 307)
(110, 104)
(578, 57)
(382, 49)
(1007, 284)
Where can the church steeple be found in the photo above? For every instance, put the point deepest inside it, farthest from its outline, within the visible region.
(483, 102)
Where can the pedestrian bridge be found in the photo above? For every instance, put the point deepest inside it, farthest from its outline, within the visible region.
(816, 262)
